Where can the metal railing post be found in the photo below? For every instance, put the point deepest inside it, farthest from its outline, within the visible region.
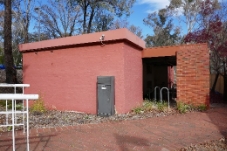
(157, 87)
(13, 98)
(167, 95)
(27, 125)
(13, 111)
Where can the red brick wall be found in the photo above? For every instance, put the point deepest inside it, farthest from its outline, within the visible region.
(193, 74)
(66, 78)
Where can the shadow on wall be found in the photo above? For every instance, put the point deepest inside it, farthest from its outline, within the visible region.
(126, 142)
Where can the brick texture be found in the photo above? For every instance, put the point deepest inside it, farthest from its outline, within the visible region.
(193, 75)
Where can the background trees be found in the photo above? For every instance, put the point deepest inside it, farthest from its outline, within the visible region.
(106, 9)
(164, 31)
(57, 19)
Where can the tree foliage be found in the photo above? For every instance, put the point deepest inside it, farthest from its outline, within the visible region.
(117, 24)
(22, 15)
(61, 18)
(165, 33)
(57, 18)
(190, 10)
(92, 9)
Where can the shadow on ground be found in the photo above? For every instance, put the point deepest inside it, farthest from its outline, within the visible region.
(36, 143)
(218, 116)
(126, 142)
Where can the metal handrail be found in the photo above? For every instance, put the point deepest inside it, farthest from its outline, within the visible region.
(13, 98)
(15, 86)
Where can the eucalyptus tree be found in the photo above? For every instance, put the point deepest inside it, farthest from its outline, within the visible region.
(123, 23)
(22, 16)
(136, 30)
(8, 56)
(110, 8)
(164, 31)
(102, 21)
(189, 9)
(57, 18)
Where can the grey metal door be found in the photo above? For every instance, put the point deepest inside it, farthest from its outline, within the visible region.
(105, 95)
(104, 103)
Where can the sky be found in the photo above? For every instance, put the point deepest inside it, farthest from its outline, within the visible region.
(141, 9)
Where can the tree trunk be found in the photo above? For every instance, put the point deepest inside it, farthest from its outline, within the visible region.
(8, 55)
(26, 38)
(84, 7)
(90, 20)
(215, 82)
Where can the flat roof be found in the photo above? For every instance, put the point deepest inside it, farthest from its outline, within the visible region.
(111, 35)
(168, 50)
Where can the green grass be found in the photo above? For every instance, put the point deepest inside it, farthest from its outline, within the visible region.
(183, 108)
(162, 106)
(38, 106)
(202, 107)
(149, 106)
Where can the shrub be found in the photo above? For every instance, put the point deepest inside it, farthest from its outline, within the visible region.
(183, 108)
(150, 106)
(202, 107)
(162, 106)
(138, 110)
(38, 106)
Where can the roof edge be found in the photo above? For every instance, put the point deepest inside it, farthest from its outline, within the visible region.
(177, 45)
(163, 51)
(111, 35)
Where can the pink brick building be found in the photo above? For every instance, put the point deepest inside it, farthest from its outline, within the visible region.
(64, 71)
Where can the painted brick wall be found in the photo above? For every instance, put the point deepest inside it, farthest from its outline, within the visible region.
(132, 77)
(66, 78)
(193, 82)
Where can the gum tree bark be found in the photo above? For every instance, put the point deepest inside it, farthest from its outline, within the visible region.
(8, 56)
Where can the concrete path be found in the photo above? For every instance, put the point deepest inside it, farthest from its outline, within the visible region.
(152, 134)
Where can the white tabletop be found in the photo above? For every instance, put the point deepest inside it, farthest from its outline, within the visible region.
(18, 96)
(14, 85)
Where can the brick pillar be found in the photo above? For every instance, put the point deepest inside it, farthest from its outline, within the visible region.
(193, 76)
